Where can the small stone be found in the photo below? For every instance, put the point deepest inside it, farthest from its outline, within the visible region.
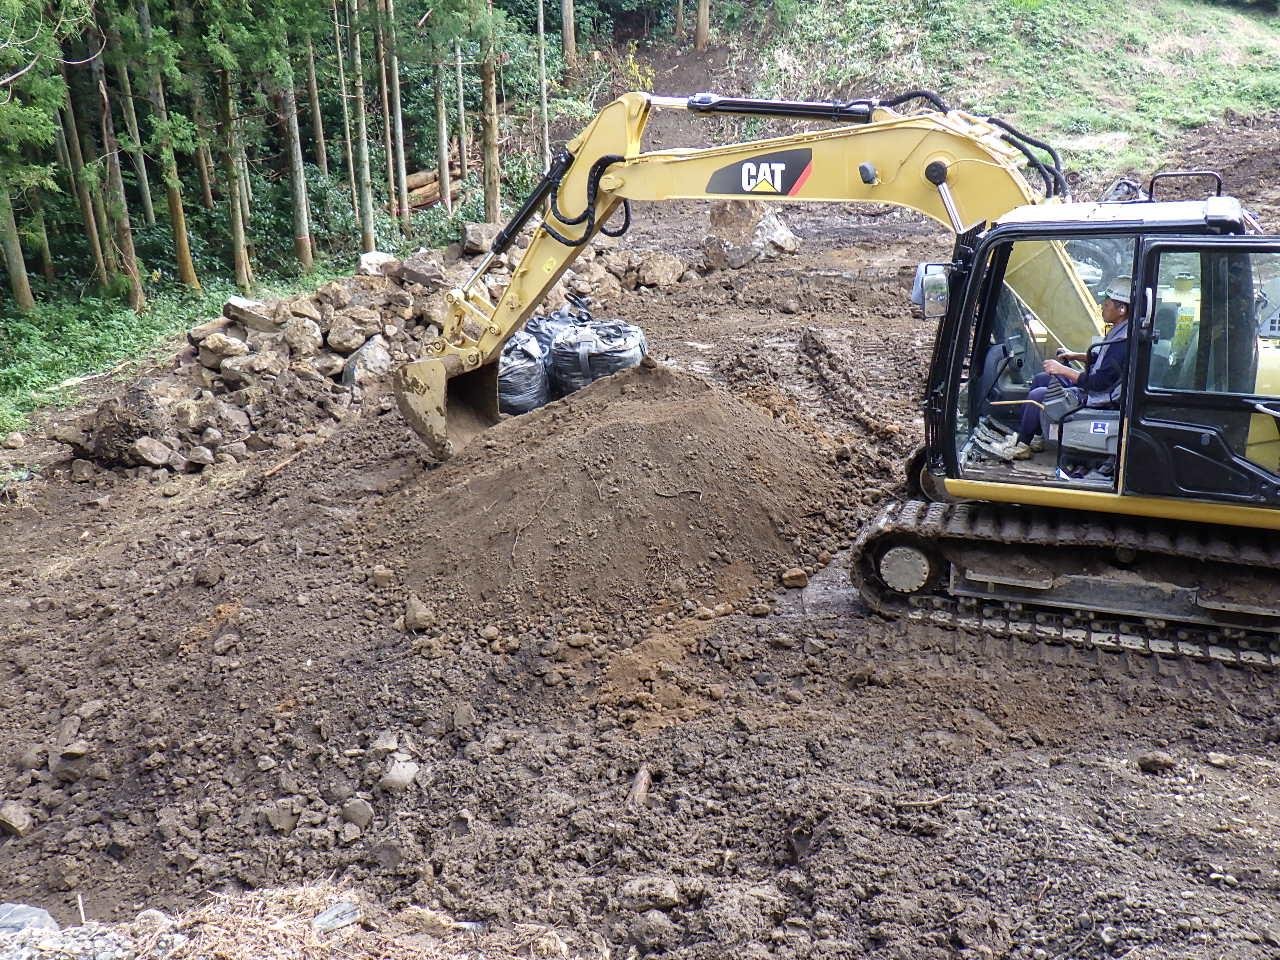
(795, 578)
(32, 758)
(723, 609)
(82, 471)
(266, 763)
(417, 615)
(349, 833)
(705, 613)
(490, 632)
(1156, 761)
(75, 750)
(650, 893)
(282, 816)
(202, 456)
(399, 776)
(208, 572)
(790, 306)
(759, 609)
(358, 812)
(1220, 760)
(14, 441)
(383, 576)
(16, 819)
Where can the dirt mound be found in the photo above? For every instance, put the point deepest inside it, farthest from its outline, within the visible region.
(650, 485)
(1243, 150)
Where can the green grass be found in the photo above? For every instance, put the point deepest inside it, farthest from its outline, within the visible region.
(1113, 82)
(67, 339)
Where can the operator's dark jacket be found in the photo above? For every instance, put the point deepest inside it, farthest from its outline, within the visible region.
(1103, 381)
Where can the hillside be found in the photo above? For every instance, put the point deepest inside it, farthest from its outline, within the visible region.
(1114, 83)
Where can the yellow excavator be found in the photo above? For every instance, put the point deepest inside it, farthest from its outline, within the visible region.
(1147, 522)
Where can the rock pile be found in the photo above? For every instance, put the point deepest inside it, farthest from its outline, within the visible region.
(278, 374)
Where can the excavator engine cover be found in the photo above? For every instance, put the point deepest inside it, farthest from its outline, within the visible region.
(446, 412)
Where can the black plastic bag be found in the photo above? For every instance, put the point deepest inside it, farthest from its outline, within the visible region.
(583, 354)
(576, 312)
(522, 374)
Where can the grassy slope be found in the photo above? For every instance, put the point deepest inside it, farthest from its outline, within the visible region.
(1113, 82)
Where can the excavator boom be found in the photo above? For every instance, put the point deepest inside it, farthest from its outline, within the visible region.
(961, 170)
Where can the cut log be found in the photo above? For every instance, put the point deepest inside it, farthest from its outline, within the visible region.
(430, 196)
(416, 181)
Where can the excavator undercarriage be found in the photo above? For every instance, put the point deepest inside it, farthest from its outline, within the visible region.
(1112, 583)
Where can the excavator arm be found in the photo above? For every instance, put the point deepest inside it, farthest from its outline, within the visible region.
(959, 169)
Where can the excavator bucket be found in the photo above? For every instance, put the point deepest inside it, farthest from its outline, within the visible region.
(446, 412)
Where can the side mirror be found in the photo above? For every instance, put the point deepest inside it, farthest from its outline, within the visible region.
(930, 289)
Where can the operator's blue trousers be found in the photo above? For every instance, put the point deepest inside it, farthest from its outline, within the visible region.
(1030, 424)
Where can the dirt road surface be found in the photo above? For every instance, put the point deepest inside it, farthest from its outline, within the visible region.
(558, 680)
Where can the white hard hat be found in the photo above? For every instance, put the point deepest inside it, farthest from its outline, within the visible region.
(1119, 289)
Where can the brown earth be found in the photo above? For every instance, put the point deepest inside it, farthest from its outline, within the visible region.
(208, 684)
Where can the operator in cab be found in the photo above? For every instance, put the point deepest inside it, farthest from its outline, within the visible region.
(1098, 385)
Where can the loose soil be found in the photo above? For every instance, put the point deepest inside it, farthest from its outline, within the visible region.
(621, 726)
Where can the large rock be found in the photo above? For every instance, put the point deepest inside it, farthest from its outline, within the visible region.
(198, 333)
(660, 269)
(150, 452)
(306, 308)
(375, 263)
(16, 917)
(370, 362)
(217, 347)
(352, 327)
(243, 371)
(478, 237)
(253, 314)
(741, 231)
(423, 269)
(303, 336)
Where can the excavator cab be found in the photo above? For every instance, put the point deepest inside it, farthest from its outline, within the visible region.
(1195, 414)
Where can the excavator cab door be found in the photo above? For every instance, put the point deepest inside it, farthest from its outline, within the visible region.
(1205, 414)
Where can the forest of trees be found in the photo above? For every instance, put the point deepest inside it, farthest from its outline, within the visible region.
(150, 143)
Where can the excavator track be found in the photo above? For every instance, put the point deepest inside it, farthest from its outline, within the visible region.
(1112, 583)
